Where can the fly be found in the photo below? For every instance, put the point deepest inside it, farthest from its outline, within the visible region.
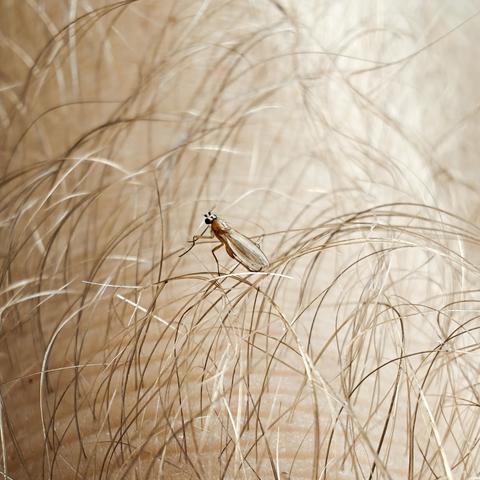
(237, 245)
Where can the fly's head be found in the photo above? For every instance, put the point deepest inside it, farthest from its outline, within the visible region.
(209, 218)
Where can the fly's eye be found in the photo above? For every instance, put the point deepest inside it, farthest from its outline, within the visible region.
(208, 221)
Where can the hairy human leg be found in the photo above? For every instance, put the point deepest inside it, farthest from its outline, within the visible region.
(345, 134)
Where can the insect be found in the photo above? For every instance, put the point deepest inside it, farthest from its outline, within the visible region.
(237, 245)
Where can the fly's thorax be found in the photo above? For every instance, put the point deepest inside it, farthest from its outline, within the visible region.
(220, 227)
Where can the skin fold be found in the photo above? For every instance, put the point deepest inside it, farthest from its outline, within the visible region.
(343, 136)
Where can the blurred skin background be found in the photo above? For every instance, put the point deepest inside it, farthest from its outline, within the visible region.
(342, 136)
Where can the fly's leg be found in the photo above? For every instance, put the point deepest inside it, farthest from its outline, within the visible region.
(201, 237)
(195, 239)
(206, 237)
(215, 257)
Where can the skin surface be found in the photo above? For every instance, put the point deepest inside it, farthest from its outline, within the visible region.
(345, 134)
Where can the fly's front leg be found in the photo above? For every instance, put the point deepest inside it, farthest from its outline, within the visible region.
(210, 236)
(195, 239)
(215, 257)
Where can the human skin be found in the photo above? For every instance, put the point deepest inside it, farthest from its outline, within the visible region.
(342, 137)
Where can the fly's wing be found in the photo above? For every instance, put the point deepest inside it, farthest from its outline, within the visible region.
(245, 251)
